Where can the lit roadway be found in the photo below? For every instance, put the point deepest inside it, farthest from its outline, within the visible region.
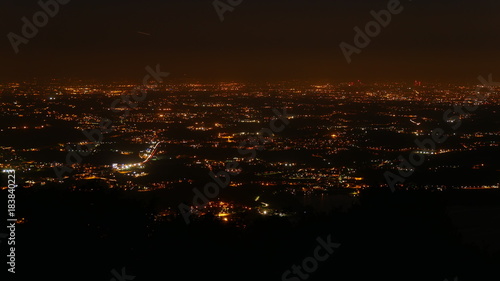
(126, 166)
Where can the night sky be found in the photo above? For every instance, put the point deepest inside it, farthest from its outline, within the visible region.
(260, 40)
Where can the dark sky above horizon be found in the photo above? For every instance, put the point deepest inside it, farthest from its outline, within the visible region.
(260, 40)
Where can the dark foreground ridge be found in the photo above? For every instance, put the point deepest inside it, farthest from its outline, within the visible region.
(406, 235)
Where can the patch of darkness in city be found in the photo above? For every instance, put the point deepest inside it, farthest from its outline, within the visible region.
(242, 140)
